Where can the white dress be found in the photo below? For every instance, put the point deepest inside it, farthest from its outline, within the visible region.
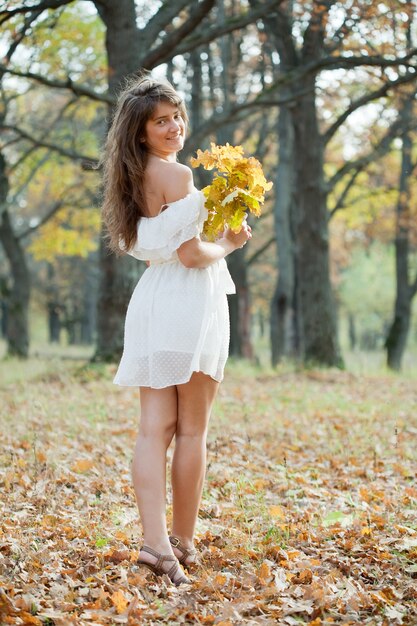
(177, 321)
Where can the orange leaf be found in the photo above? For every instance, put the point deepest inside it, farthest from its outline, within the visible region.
(28, 618)
(304, 577)
(119, 601)
(41, 457)
(276, 511)
(220, 579)
(117, 556)
(82, 466)
(264, 571)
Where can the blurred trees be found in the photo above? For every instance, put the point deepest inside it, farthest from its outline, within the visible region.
(283, 78)
(303, 310)
(406, 284)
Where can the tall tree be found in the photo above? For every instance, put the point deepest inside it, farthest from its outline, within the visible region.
(17, 329)
(308, 42)
(406, 286)
(176, 28)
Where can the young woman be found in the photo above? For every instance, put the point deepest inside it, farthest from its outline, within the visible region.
(177, 323)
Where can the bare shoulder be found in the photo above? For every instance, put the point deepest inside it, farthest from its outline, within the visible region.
(176, 181)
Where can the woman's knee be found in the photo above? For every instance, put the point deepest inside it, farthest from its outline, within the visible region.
(194, 425)
(158, 432)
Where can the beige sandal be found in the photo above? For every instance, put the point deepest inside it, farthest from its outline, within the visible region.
(185, 552)
(157, 568)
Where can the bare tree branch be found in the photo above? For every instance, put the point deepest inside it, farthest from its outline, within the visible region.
(50, 213)
(168, 11)
(77, 89)
(381, 148)
(240, 112)
(268, 97)
(76, 156)
(340, 203)
(369, 97)
(197, 13)
(347, 62)
(24, 184)
(201, 37)
(20, 35)
(41, 6)
(260, 251)
(44, 135)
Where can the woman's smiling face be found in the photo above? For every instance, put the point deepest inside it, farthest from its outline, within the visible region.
(165, 130)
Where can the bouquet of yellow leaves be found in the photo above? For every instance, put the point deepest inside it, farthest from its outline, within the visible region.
(238, 186)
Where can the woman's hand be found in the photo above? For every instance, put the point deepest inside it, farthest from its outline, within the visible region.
(239, 239)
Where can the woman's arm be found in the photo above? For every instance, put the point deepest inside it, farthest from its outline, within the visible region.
(196, 253)
(178, 182)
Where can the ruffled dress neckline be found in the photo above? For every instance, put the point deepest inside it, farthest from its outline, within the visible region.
(168, 205)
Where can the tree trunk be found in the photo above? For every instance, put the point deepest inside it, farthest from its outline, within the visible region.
(239, 306)
(282, 310)
(116, 275)
(398, 333)
(17, 334)
(54, 322)
(318, 333)
(18, 304)
(89, 316)
(352, 331)
(4, 316)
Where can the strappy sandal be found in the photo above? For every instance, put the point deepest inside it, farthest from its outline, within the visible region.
(157, 568)
(185, 552)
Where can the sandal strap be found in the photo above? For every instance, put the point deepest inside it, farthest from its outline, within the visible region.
(175, 569)
(158, 569)
(161, 558)
(186, 552)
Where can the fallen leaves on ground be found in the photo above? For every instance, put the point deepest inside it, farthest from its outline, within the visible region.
(308, 513)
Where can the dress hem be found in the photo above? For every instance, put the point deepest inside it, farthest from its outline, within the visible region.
(182, 382)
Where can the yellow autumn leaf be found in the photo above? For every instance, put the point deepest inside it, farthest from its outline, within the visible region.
(41, 457)
(28, 618)
(220, 579)
(119, 600)
(264, 571)
(83, 465)
(238, 187)
(276, 511)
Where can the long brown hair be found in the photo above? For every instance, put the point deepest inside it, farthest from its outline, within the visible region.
(125, 158)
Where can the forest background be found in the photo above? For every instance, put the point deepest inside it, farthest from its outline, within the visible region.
(308, 514)
(322, 93)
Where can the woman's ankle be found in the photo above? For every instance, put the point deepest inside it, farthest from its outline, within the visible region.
(186, 541)
(161, 545)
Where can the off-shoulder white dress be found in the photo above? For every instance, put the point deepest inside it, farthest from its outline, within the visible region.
(177, 321)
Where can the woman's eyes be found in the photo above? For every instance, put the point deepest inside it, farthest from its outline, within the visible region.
(176, 117)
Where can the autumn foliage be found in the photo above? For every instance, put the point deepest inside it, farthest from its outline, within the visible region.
(239, 185)
(307, 517)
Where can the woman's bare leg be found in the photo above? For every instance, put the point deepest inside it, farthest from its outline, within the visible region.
(156, 429)
(195, 401)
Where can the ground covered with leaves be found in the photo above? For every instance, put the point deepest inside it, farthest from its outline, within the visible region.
(308, 514)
